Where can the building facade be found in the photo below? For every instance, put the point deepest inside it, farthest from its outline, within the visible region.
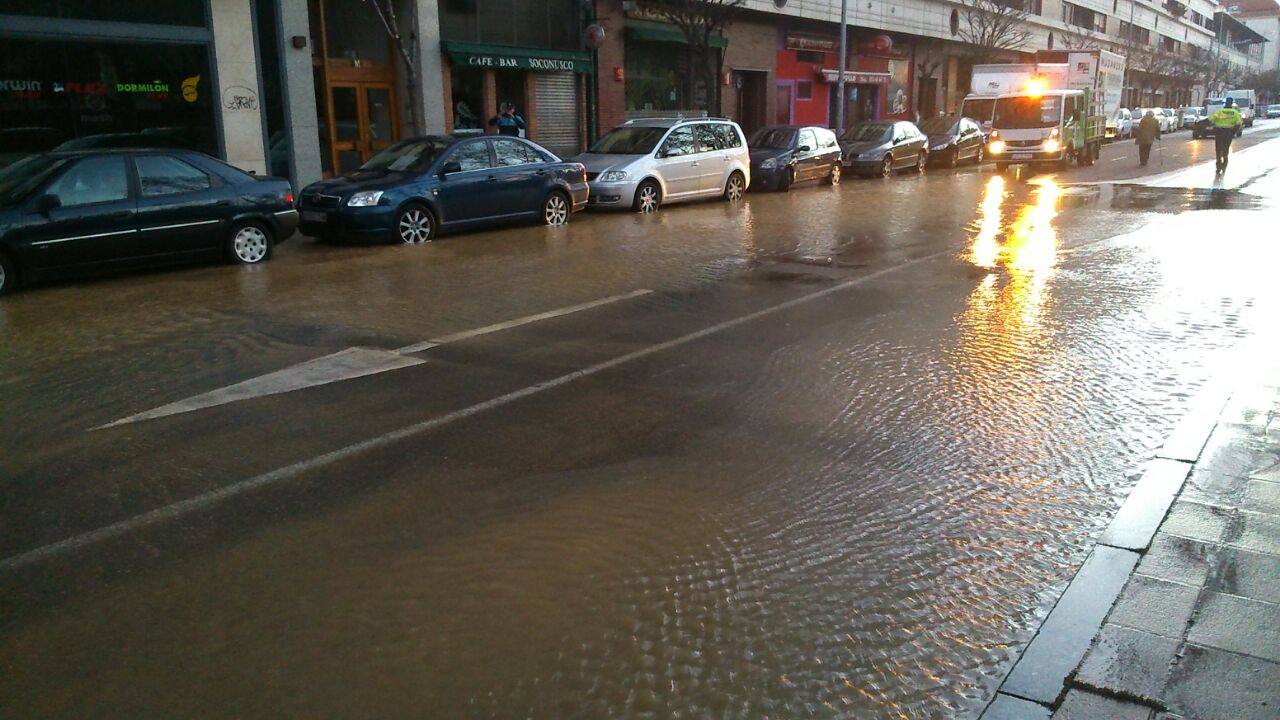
(311, 88)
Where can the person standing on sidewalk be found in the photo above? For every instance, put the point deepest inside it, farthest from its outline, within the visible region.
(1226, 123)
(507, 121)
(1147, 133)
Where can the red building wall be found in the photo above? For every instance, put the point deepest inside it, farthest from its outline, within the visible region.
(790, 72)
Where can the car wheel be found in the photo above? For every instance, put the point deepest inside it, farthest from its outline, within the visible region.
(648, 197)
(415, 225)
(735, 187)
(789, 177)
(834, 177)
(555, 209)
(249, 243)
(921, 160)
(953, 158)
(978, 156)
(8, 275)
(886, 166)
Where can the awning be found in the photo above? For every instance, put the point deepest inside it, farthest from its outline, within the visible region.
(650, 31)
(503, 57)
(855, 77)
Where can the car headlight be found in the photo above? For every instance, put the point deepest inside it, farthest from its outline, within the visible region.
(996, 147)
(365, 198)
(769, 164)
(1052, 145)
(942, 146)
(613, 175)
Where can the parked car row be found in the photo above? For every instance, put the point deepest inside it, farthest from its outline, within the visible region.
(69, 212)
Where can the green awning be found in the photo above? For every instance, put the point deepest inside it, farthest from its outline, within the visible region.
(650, 31)
(503, 57)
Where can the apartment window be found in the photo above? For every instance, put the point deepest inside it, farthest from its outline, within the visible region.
(1031, 6)
(1169, 45)
(1135, 33)
(1083, 17)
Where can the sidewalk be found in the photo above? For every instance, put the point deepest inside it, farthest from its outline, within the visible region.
(1176, 613)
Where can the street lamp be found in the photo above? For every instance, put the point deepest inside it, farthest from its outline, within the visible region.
(844, 54)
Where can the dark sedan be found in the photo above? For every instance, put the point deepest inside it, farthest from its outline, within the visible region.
(880, 148)
(953, 140)
(418, 187)
(73, 212)
(783, 155)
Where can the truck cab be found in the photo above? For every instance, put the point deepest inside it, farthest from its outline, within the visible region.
(1037, 126)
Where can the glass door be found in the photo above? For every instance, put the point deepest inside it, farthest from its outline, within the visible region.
(363, 122)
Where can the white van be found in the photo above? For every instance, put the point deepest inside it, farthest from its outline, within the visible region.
(1246, 101)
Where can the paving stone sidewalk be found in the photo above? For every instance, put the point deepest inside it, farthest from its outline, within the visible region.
(1181, 598)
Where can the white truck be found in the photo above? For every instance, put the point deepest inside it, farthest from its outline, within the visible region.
(1246, 101)
(1052, 110)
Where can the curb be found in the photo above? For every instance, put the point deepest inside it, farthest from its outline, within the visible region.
(1037, 683)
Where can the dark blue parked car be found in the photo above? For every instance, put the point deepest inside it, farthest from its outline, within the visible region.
(782, 155)
(74, 212)
(418, 187)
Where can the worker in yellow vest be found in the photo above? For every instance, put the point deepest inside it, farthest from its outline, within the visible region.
(1226, 123)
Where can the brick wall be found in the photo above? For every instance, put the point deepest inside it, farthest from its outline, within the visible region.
(610, 93)
(753, 46)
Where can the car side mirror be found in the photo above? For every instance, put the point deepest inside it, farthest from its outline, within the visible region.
(453, 166)
(805, 148)
(48, 202)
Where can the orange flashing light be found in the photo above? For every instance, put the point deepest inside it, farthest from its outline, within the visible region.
(1036, 86)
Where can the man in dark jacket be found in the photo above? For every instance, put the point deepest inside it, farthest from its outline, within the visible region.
(1147, 133)
(507, 121)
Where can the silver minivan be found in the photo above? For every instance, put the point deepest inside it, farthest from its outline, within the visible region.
(644, 163)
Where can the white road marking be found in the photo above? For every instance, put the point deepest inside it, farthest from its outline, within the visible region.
(506, 325)
(344, 365)
(288, 472)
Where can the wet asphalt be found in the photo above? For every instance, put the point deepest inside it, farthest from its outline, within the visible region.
(837, 461)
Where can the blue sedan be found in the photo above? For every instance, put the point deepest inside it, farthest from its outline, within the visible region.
(418, 187)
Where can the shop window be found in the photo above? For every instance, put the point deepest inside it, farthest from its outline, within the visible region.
(355, 33)
(92, 180)
(519, 23)
(177, 12)
(804, 90)
(468, 99)
(166, 175)
(107, 94)
(810, 56)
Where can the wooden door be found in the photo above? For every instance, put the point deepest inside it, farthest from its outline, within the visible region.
(364, 122)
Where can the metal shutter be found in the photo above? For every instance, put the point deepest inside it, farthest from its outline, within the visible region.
(556, 95)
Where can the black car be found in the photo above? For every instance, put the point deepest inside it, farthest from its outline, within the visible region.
(953, 140)
(782, 155)
(882, 147)
(71, 212)
(417, 187)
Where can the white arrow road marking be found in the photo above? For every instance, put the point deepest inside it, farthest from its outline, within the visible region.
(345, 365)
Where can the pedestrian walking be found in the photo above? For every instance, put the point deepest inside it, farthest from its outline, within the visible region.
(1147, 133)
(1226, 123)
(507, 120)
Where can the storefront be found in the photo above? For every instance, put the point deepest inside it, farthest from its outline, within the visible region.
(74, 84)
(803, 91)
(878, 80)
(664, 73)
(546, 88)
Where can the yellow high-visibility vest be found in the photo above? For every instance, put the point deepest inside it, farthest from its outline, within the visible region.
(1227, 117)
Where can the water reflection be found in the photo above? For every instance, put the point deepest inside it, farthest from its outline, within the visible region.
(1026, 249)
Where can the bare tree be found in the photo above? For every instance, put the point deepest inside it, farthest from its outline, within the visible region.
(699, 21)
(993, 27)
(929, 59)
(1151, 68)
(408, 51)
(1078, 41)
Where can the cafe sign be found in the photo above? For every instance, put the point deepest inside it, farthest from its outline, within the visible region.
(494, 57)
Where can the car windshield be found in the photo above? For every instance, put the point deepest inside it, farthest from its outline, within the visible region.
(979, 110)
(772, 139)
(1028, 112)
(20, 178)
(939, 125)
(629, 140)
(865, 132)
(406, 156)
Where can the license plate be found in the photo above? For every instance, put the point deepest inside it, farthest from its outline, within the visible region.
(314, 216)
(1021, 156)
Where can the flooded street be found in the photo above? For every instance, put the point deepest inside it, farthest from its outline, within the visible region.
(817, 455)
